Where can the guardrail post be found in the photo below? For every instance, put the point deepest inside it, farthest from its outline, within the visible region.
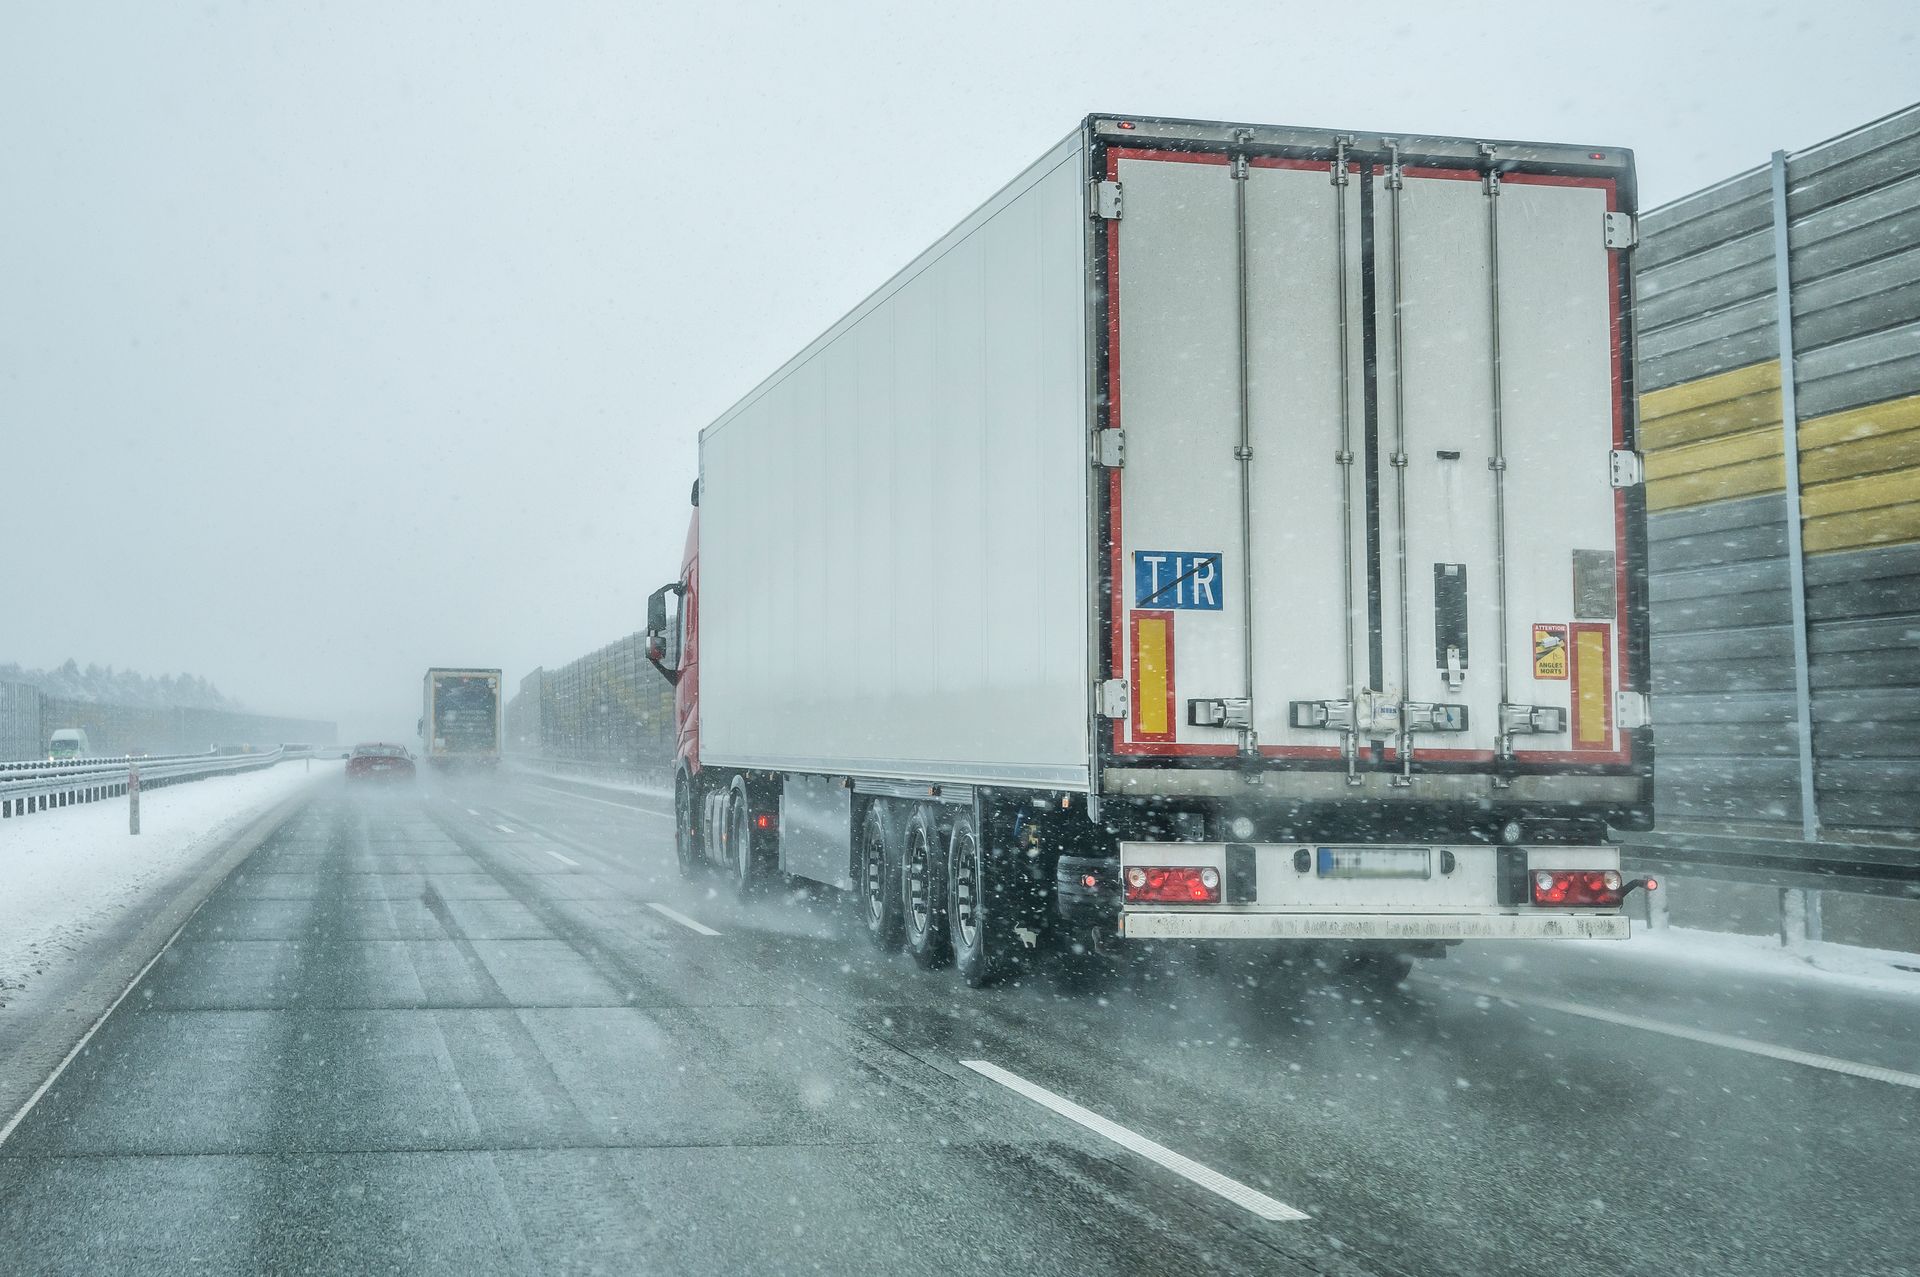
(133, 798)
(1659, 911)
(1799, 919)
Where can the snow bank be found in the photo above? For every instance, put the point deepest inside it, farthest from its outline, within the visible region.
(1875, 970)
(71, 872)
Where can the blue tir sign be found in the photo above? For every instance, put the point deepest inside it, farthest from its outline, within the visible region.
(1187, 579)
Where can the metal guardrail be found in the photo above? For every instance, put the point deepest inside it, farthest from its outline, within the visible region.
(37, 786)
(1773, 857)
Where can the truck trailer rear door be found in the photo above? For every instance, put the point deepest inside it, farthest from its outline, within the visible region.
(1318, 549)
(1497, 500)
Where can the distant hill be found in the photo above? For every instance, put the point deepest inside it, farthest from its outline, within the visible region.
(109, 686)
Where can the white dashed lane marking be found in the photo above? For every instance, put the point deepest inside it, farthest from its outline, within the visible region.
(682, 919)
(1213, 1181)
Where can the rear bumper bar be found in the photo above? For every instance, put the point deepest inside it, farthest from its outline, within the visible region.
(1189, 924)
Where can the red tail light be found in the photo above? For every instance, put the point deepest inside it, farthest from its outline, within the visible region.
(1173, 884)
(1578, 888)
(763, 821)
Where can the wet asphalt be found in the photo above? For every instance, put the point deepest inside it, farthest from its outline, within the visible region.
(446, 1030)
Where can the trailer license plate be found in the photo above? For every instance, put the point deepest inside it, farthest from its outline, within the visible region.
(1376, 862)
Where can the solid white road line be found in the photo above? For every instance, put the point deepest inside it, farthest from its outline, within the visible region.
(682, 919)
(503, 829)
(604, 802)
(81, 1045)
(1206, 1177)
(1872, 1072)
(562, 859)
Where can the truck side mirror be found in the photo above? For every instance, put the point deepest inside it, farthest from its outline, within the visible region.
(663, 631)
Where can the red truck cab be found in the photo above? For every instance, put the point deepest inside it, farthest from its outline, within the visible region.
(673, 645)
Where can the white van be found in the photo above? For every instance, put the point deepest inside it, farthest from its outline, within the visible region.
(69, 742)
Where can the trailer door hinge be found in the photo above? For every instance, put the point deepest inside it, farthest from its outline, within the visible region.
(1631, 710)
(1622, 231)
(1626, 468)
(1110, 449)
(1113, 698)
(1106, 201)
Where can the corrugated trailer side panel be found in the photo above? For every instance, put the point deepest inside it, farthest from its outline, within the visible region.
(894, 526)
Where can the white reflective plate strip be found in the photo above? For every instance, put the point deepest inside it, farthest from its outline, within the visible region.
(1213, 1181)
(682, 919)
(562, 859)
(1193, 925)
(1872, 1072)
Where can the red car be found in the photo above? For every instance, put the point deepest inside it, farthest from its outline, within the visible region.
(379, 762)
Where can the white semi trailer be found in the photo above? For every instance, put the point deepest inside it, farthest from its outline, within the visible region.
(1227, 532)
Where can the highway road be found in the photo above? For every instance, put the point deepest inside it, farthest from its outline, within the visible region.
(491, 1029)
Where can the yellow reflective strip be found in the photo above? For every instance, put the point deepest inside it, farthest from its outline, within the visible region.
(1594, 716)
(1150, 650)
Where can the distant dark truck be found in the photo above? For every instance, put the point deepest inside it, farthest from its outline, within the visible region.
(460, 717)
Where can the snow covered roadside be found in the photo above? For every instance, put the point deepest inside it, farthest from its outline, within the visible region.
(69, 874)
(1866, 970)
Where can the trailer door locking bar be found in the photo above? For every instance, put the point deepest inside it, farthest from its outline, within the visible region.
(1223, 711)
(1419, 716)
(1532, 718)
(1376, 717)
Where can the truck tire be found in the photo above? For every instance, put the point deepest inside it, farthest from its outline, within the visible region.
(686, 826)
(743, 860)
(923, 889)
(982, 910)
(877, 882)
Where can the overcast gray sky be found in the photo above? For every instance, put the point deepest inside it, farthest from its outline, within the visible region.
(340, 340)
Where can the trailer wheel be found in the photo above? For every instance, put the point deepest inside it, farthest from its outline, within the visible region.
(981, 908)
(686, 827)
(923, 889)
(879, 883)
(742, 855)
